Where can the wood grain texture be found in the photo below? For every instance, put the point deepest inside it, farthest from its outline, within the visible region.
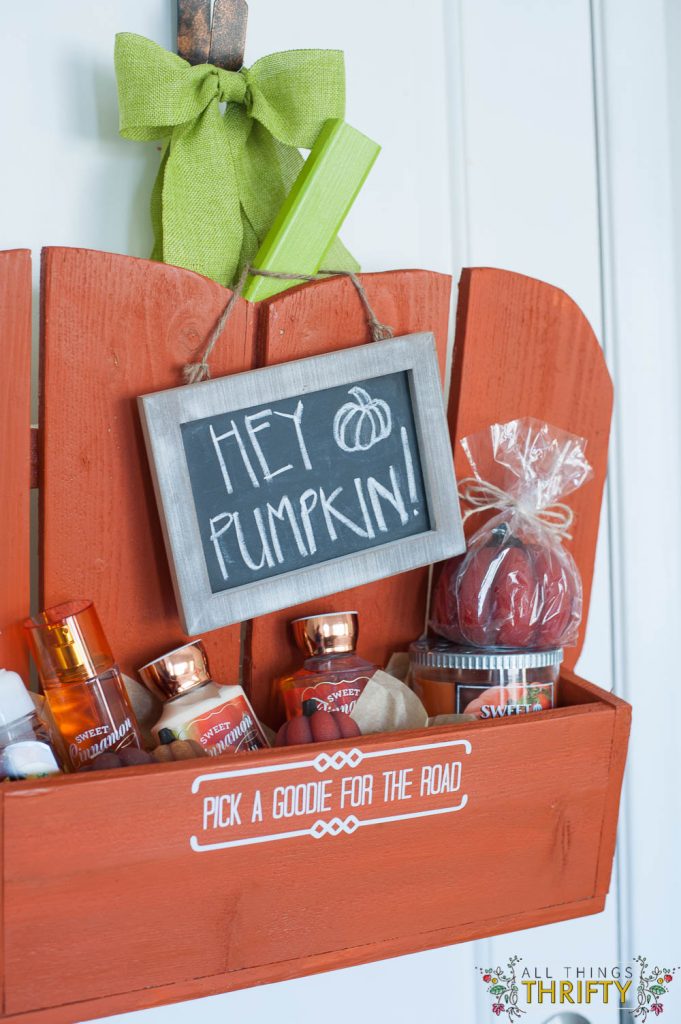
(115, 328)
(523, 348)
(35, 449)
(324, 317)
(15, 455)
(396, 887)
(193, 30)
(272, 973)
(228, 34)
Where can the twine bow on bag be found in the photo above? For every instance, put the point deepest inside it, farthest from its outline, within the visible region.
(483, 496)
(224, 176)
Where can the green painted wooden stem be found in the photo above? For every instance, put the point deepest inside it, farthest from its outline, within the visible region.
(315, 208)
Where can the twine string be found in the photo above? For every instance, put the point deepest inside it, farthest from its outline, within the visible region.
(194, 373)
(483, 496)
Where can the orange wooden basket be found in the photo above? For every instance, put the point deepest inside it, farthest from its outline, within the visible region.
(92, 864)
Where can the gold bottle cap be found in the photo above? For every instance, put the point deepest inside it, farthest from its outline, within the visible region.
(331, 633)
(68, 642)
(177, 672)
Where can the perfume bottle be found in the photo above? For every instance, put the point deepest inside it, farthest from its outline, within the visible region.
(219, 719)
(332, 674)
(82, 684)
(26, 750)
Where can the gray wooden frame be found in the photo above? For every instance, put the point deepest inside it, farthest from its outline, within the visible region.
(162, 414)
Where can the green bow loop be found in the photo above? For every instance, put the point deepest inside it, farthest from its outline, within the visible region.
(223, 177)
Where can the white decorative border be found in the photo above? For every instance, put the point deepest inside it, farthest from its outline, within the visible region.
(336, 826)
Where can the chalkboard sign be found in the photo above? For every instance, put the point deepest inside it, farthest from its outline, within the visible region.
(294, 481)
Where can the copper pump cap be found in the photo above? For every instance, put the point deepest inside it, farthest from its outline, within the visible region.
(332, 633)
(176, 673)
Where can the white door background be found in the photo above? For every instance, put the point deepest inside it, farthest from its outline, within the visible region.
(542, 136)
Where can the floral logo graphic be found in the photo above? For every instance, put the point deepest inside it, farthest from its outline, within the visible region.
(652, 984)
(502, 985)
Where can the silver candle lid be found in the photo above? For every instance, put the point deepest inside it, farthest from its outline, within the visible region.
(431, 653)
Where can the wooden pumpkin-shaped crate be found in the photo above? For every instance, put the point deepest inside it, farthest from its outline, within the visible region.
(89, 863)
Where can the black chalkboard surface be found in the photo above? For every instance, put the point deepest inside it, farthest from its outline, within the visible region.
(287, 483)
(305, 479)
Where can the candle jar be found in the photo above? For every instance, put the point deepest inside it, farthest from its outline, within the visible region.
(493, 683)
(82, 684)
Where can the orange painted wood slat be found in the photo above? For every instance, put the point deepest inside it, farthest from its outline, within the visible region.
(324, 317)
(233, 981)
(81, 909)
(524, 348)
(15, 405)
(114, 328)
(394, 887)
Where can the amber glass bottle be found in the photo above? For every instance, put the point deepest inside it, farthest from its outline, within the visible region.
(81, 682)
(332, 674)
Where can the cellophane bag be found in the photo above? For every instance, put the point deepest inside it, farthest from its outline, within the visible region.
(517, 585)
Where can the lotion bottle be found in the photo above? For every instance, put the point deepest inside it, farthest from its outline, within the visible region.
(332, 675)
(219, 718)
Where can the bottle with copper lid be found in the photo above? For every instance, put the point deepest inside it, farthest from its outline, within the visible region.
(332, 674)
(218, 718)
(82, 684)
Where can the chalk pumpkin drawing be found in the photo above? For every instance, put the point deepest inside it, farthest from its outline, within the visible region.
(359, 425)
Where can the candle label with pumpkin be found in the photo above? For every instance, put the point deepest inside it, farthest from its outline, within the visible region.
(503, 701)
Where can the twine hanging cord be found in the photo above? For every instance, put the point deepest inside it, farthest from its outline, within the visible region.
(482, 496)
(194, 373)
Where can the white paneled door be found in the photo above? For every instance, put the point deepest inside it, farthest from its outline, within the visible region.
(541, 136)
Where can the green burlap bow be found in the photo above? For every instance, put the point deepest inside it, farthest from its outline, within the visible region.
(224, 176)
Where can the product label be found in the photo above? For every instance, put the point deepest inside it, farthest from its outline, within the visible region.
(88, 744)
(503, 701)
(230, 727)
(341, 695)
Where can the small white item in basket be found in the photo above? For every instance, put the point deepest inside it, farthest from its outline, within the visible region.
(387, 705)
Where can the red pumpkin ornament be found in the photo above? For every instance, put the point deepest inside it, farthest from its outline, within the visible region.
(560, 587)
(475, 592)
(517, 586)
(444, 615)
(315, 726)
(515, 598)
